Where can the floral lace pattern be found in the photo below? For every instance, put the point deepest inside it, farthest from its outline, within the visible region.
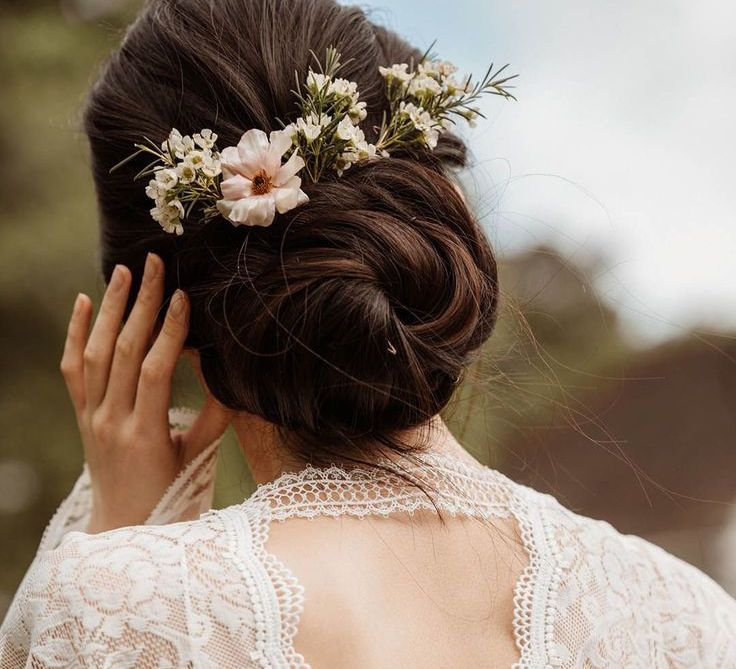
(205, 592)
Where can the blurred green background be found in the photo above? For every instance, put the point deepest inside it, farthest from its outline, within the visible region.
(640, 435)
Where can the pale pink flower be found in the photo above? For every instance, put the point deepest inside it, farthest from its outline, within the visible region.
(255, 184)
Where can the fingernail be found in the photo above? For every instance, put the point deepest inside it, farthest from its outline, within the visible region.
(77, 303)
(151, 268)
(116, 280)
(178, 304)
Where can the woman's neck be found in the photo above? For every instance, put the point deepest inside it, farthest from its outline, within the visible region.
(268, 458)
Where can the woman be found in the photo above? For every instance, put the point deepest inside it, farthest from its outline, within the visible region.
(330, 286)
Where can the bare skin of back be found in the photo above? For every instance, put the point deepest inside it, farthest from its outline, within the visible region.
(404, 591)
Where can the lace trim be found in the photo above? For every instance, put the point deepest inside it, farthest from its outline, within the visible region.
(182, 498)
(275, 593)
(535, 593)
(454, 487)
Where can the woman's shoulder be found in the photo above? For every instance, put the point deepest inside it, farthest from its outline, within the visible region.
(125, 592)
(620, 590)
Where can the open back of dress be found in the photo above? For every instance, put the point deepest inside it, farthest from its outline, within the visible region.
(404, 591)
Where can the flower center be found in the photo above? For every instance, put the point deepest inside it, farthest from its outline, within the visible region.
(261, 183)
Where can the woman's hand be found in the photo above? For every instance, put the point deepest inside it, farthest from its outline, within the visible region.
(120, 386)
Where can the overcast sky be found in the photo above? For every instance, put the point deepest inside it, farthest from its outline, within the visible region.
(622, 141)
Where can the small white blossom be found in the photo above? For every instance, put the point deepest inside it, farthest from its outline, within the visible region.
(422, 121)
(186, 173)
(471, 116)
(346, 131)
(205, 139)
(172, 143)
(439, 68)
(166, 178)
(345, 161)
(343, 88)
(316, 82)
(177, 144)
(397, 72)
(311, 127)
(154, 190)
(452, 87)
(195, 158)
(187, 145)
(358, 112)
(365, 150)
(431, 137)
(211, 166)
(169, 215)
(424, 84)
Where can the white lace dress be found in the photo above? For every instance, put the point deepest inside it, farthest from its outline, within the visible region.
(197, 588)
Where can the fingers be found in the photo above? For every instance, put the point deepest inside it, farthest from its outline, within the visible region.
(133, 341)
(154, 384)
(209, 425)
(72, 360)
(98, 352)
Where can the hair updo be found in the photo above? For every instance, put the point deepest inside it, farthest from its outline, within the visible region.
(350, 318)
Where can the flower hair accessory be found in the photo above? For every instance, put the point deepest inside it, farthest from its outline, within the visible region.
(249, 183)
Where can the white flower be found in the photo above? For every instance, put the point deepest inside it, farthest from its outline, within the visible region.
(211, 166)
(471, 116)
(346, 131)
(177, 144)
(397, 72)
(345, 161)
(431, 137)
(451, 86)
(154, 190)
(343, 88)
(357, 147)
(195, 158)
(311, 127)
(316, 82)
(173, 142)
(185, 146)
(205, 139)
(358, 112)
(186, 173)
(424, 83)
(440, 68)
(365, 150)
(166, 178)
(256, 185)
(422, 121)
(169, 215)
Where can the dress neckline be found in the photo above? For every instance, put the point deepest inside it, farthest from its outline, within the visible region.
(443, 481)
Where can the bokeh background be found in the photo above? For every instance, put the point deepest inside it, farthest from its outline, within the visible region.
(607, 190)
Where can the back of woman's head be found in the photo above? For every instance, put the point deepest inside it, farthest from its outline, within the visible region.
(350, 318)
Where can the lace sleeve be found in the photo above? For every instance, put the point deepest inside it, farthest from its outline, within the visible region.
(145, 597)
(694, 617)
(595, 598)
(111, 600)
(189, 495)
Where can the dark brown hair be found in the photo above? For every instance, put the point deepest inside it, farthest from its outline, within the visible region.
(349, 319)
